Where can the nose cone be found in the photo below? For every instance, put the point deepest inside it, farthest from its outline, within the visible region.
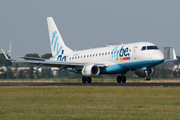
(158, 57)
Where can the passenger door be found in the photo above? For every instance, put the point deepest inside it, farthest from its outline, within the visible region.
(135, 52)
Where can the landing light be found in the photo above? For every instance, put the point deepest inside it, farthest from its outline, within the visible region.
(106, 65)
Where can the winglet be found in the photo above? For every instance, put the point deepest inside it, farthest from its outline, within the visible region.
(5, 54)
(174, 55)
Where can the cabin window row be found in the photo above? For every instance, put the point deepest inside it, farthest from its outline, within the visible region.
(92, 55)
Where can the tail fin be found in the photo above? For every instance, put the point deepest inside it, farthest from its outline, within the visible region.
(56, 42)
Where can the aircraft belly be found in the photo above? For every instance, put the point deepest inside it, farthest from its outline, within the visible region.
(138, 64)
(113, 69)
(124, 67)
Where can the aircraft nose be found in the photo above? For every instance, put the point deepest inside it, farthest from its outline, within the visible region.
(159, 57)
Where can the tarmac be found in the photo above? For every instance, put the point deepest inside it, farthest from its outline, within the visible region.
(89, 84)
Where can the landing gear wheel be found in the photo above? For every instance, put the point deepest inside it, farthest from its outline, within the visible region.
(119, 79)
(89, 80)
(124, 79)
(147, 78)
(84, 79)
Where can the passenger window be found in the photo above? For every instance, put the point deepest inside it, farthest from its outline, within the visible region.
(143, 48)
(84, 56)
(99, 54)
(102, 53)
(106, 53)
(70, 58)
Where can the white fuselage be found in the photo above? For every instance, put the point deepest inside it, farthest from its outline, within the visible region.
(119, 58)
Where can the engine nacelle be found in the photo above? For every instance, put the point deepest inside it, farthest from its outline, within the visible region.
(141, 71)
(90, 70)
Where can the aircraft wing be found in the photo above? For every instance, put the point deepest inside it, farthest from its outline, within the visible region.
(51, 63)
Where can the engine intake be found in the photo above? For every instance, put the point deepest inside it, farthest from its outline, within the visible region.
(90, 70)
(141, 71)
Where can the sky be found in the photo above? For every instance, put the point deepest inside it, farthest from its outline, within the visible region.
(88, 23)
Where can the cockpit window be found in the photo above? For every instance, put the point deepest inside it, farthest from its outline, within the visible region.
(143, 48)
(152, 48)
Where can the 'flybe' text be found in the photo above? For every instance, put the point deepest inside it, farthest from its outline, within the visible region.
(56, 47)
(121, 53)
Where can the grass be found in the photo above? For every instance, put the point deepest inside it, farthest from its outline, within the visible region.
(87, 102)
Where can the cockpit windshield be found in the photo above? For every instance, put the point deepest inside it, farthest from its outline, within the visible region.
(143, 48)
(149, 48)
(152, 48)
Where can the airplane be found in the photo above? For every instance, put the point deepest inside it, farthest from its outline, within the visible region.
(140, 57)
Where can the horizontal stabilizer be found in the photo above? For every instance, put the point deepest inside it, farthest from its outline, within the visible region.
(32, 58)
(6, 55)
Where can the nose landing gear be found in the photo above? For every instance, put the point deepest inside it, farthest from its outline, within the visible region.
(147, 78)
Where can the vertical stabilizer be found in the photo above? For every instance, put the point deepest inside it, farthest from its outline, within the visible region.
(58, 48)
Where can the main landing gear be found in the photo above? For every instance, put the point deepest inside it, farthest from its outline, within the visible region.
(121, 79)
(89, 79)
(86, 79)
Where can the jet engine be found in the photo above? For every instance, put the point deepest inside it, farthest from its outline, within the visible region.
(90, 70)
(144, 72)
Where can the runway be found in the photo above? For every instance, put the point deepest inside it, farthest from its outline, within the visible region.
(90, 84)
